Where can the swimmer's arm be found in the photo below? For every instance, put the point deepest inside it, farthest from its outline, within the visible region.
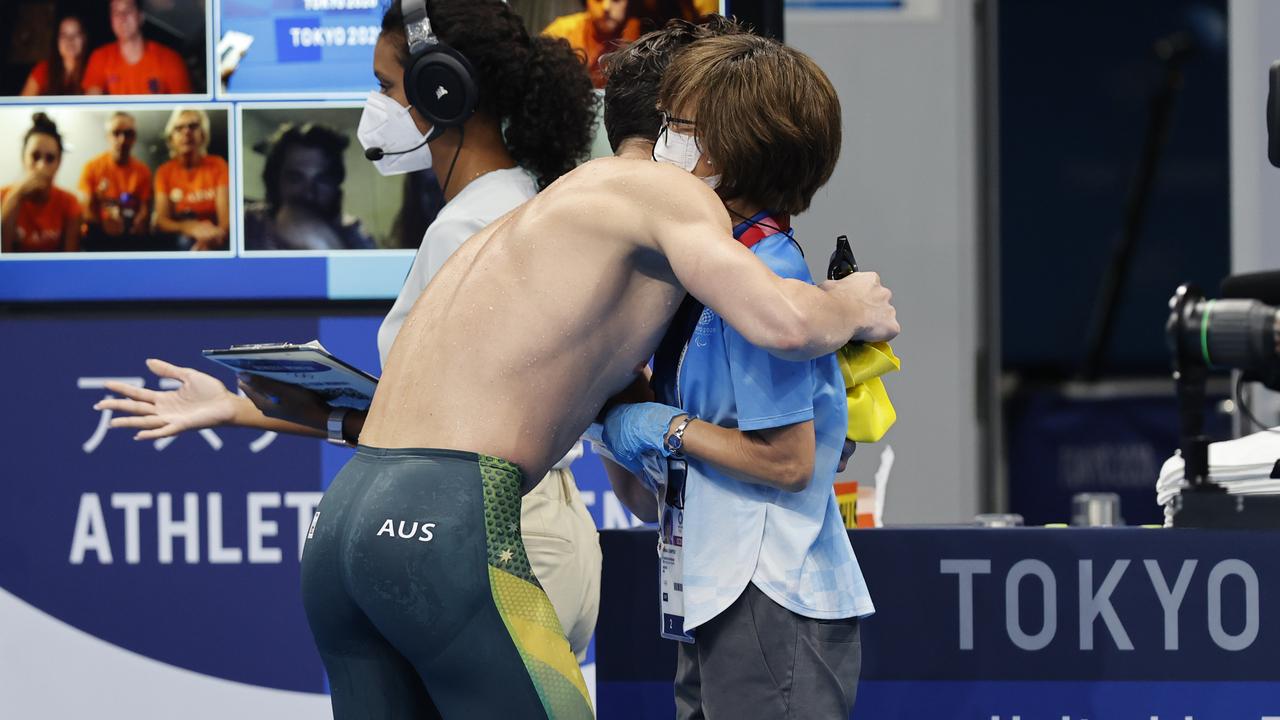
(790, 318)
(632, 493)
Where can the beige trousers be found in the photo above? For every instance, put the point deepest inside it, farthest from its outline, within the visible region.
(564, 549)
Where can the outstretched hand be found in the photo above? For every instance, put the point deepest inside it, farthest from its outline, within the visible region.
(201, 401)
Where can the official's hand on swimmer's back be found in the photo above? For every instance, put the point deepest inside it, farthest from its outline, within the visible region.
(873, 303)
(285, 402)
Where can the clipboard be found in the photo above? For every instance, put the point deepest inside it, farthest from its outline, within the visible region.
(307, 365)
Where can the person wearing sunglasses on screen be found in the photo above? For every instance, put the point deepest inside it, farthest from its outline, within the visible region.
(116, 190)
(35, 214)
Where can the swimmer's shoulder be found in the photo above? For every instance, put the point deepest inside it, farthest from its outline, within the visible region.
(655, 186)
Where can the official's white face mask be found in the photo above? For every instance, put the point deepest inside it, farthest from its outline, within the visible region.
(386, 124)
(681, 150)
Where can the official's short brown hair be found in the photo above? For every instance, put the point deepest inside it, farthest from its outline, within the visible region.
(766, 116)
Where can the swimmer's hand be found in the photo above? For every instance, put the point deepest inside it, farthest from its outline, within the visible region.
(871, 301)
(632, 430)
(285, 402)
(200, 401)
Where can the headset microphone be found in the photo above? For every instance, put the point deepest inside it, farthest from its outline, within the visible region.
(375, 154)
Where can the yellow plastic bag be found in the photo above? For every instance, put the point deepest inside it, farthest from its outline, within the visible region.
(871, 414)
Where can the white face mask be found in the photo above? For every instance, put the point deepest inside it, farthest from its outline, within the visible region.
(385, 124)
(681, 150)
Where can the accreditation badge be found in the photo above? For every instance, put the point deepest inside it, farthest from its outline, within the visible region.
(671, 552)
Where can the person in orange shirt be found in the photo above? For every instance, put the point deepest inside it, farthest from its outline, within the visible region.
(115, 188)
(654, 14)
(35, 215)
(191, 190)
(600, 28)
(133, 65)
(61, 73)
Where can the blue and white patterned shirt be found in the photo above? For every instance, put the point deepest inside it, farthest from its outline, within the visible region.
(792, 546)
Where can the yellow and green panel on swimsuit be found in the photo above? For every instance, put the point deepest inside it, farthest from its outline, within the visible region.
(524, 607)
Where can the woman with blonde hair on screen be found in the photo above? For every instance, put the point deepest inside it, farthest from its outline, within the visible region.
(192, 193)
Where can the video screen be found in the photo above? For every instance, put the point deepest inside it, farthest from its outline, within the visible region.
(308, 186)
(104, 47)
(247, 160)
(297, 48)
(103, 178)
(597, 27)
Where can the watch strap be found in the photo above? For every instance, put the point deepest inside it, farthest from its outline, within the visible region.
(337, 418)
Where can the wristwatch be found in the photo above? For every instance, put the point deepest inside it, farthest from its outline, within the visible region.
(334, 426)
(675, 441)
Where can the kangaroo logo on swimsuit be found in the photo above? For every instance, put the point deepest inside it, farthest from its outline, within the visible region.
(422, 531)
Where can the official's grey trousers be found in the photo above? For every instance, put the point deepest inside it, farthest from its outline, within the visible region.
(759, 660)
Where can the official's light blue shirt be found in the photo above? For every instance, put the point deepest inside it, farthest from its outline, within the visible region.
(792, 546)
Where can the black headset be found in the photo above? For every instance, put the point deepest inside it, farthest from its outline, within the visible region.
(439, 82)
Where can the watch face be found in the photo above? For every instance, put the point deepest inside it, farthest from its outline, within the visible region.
(674, 444)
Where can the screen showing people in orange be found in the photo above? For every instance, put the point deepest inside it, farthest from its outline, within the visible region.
(36, 215)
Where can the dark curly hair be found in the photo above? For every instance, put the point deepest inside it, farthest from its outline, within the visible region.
(312, 135)
(633, 73)
(42, 125)
(536, 87)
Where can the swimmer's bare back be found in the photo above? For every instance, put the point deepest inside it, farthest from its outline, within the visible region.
(539, 318)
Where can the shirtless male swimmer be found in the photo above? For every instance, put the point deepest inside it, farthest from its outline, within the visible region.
(414, 578)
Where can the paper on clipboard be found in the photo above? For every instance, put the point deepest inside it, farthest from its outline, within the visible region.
(307, 365)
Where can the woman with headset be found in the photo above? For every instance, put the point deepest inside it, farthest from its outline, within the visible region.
(498, 114)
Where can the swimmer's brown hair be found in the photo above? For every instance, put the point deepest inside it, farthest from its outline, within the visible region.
(767, 117)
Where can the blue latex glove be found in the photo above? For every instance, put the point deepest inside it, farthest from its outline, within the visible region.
(634, 429)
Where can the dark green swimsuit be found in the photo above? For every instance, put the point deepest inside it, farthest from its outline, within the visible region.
(421, 598)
